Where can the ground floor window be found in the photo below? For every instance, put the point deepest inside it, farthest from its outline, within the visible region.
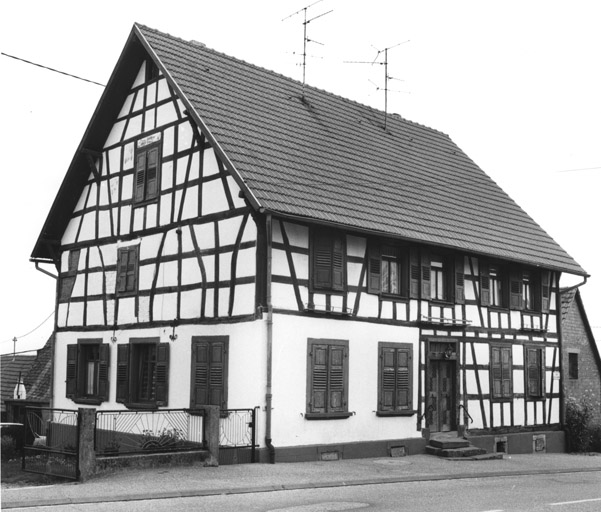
(395, 378)
(327, 378)
(87, 371)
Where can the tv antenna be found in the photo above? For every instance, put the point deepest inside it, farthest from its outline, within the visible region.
(387, 77)
(305, 38)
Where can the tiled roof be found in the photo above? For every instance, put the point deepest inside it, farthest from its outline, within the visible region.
(567, 297)
(10, 369)
(40, 373)
(327, 158)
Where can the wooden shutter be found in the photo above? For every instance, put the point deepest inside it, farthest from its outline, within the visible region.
(122, 373)
(161, 376)
(132, 269)
(545, 290)
(104, 353)
(338, 263)
(319, 378)
(336, 380)
(322, 261)
(496, 369)
(374, 274)
(387, 379)
(200, 375)
(506, 378)
(484, 284)
(152, 173)
(425, 274)
(72, 360)
(209, 374)
(516, 301)
(414, 273)
(403, 381)
(459, 279)
(140, 177)
(122, 260)
(533, 373)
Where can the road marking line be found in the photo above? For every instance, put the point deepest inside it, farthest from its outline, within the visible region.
(574, 502)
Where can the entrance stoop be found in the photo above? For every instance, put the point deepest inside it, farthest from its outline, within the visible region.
(449, 445)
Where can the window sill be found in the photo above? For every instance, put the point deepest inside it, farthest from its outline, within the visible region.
(87, 401)
(327, 415)
(387, 414)
(137, 405)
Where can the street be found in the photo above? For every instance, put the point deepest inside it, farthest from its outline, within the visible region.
(570, 492)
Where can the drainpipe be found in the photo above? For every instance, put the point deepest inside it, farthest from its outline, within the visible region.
(268, 395)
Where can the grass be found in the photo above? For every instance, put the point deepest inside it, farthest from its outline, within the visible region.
(13, 476)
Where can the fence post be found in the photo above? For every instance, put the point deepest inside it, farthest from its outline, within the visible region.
(212, 433)
(85, 451)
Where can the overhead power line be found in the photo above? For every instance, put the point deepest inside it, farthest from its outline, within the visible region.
(32, 331)
(52, 69)
(581, 169)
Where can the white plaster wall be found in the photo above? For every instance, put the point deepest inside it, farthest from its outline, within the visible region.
(290, 382)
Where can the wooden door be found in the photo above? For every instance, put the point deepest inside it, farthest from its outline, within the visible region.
(442, 396)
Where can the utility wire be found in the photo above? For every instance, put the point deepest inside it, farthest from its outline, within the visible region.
(52, 69)
(581, 169)
(33, 330)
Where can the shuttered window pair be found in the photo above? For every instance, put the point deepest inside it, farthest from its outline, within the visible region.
(147, 175)
(530, 290)
(442, 277)
(395, 371)
(327, 378)
(535, 371)
(328, 256)
(209, 371)
(127, 270)
(388, 271)
(143, 373)
(88, 371)
(493, 285)
(501, 373)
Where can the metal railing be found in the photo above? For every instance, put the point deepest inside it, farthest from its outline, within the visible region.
(127, 432)
(237, 435)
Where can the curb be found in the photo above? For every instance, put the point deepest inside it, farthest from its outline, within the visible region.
(53, 502)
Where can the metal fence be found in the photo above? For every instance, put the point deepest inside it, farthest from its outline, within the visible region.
(126, 432)
(51, 444)
(237, 436)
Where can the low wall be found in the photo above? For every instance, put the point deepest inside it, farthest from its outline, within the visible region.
(152, 460)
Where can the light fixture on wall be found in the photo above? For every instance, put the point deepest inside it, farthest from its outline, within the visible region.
(113, 337)
(448, 353)
(173, 324)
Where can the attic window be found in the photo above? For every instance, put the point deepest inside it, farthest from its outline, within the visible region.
(148, 166)
(152, 71)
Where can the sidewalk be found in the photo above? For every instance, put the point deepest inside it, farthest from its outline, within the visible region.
(139, 484)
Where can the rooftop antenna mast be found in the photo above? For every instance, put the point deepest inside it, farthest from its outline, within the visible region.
(387, 77)
(305, 38)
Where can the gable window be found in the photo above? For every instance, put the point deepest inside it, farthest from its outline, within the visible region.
(143, 373)
(209, 371)
(147, 170)
(327, 379)
(328, 256)
(395, 389)
(388, 271)
(535, 365)
(501, 372)
(573, 365)
(127, 270)
(88, 371)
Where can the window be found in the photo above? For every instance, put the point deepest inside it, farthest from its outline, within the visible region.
(501, 373)
(87, 371)
(127, 270)
(530, 290)
(395, 379)
(68, 279)
(438, 272)
(147, 158)
(209, 371)
(327, 379)
(442, 277)
(328, 261)
(143, 373)
(573, 365)
(388, 271)
(535, 365)
(492, 285)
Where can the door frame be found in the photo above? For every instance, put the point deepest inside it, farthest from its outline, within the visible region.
(441, 349)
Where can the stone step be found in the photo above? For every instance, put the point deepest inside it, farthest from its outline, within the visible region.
(461, 452)
(447, 443)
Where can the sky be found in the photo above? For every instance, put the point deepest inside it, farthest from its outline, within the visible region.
(516, 84)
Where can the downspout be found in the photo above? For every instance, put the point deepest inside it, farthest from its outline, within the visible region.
(268, 394)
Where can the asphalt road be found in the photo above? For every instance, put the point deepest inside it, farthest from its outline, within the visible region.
(575, 492)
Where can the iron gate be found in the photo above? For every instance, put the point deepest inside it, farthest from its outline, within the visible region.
(238, 436)
(51, 444)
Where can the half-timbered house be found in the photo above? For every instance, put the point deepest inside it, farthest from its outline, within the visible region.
(225, 235)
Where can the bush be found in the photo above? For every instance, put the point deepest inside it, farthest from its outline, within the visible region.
(578, 429)
(595, 445)
(8, 447)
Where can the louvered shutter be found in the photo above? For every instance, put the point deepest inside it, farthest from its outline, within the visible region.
(319, 378)
(122, 265)
(516, 301)
(103, 371)
(545, 290)
(336, 384)
(200, 374)
(533, 372)
(374, 274)
(403, 381)
(152, 173)
(414, 273)
(132, 269)
(122, 373)
(388, 380)
(162, 374)
(497, 388)
(140, 177)
(459, 279)
(426, 271)
(484, 284)
(71, 381)
(338, 263)
(217, 375)
(322, 261)
(506, 371)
